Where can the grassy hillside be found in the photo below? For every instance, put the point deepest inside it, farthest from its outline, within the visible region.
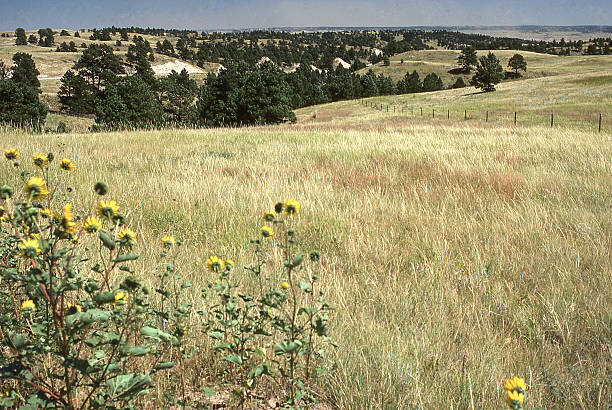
(575, 99)
(441, 61)
(455, 255)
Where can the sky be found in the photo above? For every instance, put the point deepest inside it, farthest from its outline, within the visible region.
(217, 14)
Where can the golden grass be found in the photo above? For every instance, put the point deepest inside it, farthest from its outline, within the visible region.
(454, 255)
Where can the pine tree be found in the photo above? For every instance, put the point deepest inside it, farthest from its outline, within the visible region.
(467, 59)
(21, 39)
(488, 73)
(517, 62)
(19, 105)
(24, 71)
(432, 82)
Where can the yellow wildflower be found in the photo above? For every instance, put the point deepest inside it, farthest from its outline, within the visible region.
(215, 264)
(36, 188)
(285, 285)
(29, 248)
(266, 231)
(28, 304)
(45, 213)
(67, 221)
(40, 160)
(107, 209)
(74, 308)
(92, 224)
(120, 298)
(168, 240)
(291, 207)
(11, 154)
(515, 384)
(67, 165)
(269, 216)
(127, 237)
(514, 399)
(229, 264)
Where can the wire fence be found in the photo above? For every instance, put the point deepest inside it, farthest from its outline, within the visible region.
(591, 121)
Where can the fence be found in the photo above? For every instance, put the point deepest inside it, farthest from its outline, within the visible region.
(513, 115)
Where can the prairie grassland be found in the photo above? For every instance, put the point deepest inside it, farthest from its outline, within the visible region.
(575, 99)
(441, 61)
(454, 255)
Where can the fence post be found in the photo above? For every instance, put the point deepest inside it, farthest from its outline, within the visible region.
(394, 108)
(387, 107)
(465, 114)
(433, 113)
(421, 111)
(487, 117)
(448, 114)
(552, 119)
(599, 122)
(514, 117)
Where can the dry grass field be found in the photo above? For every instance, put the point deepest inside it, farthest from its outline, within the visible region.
(455, 255)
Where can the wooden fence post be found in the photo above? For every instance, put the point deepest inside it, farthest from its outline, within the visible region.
(599, 122)
(448, 114)
(421, 111)
(465, 115)
(487, 117)
(433, 113)
(515, 118)
(552, 119)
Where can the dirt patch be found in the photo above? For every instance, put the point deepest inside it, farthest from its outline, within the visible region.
(178, 66)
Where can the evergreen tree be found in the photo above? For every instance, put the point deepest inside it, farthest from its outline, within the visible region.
(488, 73)
(517, 62)
(77, 35)
(19, 105)
(20, 39)
(432, 82)
(75, 94)
(369, 85)
(99, 65)
(32, 39)
(467, 59)
(24, 71)
(5, 71)
(137, 56)
(411, 83)
(177, 95)
(386, 61)
(131, 102)
(459, 83)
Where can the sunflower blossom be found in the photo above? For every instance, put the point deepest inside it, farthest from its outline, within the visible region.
(40, 160)
(67, 165)
(266, 231)
(92, 224)
(291, 207)
(107, 209)
(168, 240)
(215, 264)
(28, 304)
(11, 154)
(29, 248)
(127, 237)
(36, 188)
(68, 225)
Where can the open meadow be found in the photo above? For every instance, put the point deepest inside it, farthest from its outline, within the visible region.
(455, 254)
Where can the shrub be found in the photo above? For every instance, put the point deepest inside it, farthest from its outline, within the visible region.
(79, 327)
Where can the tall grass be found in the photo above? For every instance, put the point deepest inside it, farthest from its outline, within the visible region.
(454, 256)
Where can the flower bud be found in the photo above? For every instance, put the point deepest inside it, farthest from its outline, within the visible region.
(101, 188)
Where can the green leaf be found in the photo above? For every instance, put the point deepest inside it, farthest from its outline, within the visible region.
(126, 257)
(232, 358)
(209, 391)
(107, 241)
(158, 335)
(305, 286)
(215, 335)
(93, 315)
(104, 297)
(129, 385)
(163, 366)
(140, 350)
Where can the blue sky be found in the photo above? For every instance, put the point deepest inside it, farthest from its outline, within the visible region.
(211, 14)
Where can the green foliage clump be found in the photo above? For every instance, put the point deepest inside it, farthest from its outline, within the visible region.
(488, 73)
(467, 59)
(276, 333)
(517, 62)
(79, 328)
